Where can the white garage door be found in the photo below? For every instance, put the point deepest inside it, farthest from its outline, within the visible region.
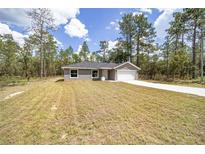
(123, 75)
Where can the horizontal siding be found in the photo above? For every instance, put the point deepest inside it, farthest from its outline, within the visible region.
(127, 66)
(83, 74)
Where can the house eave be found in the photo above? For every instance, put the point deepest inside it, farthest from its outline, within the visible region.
(127, 63)
(107, 68)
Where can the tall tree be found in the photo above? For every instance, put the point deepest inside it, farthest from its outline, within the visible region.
(166, 53)
(144, 35)
(202, 34)
(127, 30)
(26, 57)
(104, 49)
(42, 21)
(177, 30)
(193, 21)
(49, 48)
(84, 52)
(119, 54)
(8, 51)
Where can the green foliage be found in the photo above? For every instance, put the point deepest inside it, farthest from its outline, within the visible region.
(139, 34)
(119, 55)
(8, 51)
(179, 63)
(104, 49)
(84, 51)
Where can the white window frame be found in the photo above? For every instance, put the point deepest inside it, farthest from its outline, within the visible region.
(77, 73)
(92, 74)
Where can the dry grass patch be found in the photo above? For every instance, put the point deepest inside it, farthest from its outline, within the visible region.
(95, 112)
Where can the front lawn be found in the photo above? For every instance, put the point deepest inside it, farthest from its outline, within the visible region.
(97, 112)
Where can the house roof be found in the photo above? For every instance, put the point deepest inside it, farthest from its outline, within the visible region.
(91, 65)
(95, 65)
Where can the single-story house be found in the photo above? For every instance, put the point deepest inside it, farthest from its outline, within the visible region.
(104, 71)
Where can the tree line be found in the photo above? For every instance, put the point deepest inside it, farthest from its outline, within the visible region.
(180, 56)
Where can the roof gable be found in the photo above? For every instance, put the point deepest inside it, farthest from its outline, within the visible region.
(129, 63)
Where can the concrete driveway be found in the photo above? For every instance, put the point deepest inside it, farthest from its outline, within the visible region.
(181, 89)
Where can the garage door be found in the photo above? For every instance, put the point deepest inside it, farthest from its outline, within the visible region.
(123, 75)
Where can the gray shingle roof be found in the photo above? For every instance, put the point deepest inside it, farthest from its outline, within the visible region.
(96, 65)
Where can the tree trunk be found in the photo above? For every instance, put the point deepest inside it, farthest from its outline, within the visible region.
(194, 53)
(182, 40)
(138, 50)
(130, 46)
(41, 53)
(167, 63)
(202, 58)
(44, 65)
(127, 40)
(176, 43)
(41, 61)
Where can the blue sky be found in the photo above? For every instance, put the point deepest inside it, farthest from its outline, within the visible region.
(76, 25)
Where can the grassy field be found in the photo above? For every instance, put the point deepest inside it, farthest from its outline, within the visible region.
(97, 112)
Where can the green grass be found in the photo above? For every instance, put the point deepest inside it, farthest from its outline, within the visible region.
(12, 81)
(97, 112)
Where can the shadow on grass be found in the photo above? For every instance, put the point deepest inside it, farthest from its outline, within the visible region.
(59, 80)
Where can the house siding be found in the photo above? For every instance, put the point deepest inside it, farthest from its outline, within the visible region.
(83, 74)
(112, 74)
(127, 66)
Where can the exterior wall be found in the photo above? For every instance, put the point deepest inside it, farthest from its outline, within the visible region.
(83, 74)
(111, 74)
(127, 66)
(100, 73)
(66, 74)
(105, 74)
(136, 77)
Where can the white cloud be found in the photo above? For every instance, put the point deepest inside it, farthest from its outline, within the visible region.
(76, 29)
(117, 28)
(20, 18)
(122, 12)
(137, 13)
(15, 16)
(87, 39)
(59, 43)
(18, 37)
(79, 49)
(146, 10)
(111, 44)
(162, 22)
(62, 15)
(113, 25)
(4, 29)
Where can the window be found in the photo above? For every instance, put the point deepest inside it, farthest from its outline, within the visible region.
(73, 73)
(94, 73)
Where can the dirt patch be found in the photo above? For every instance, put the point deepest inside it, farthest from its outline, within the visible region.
(12, 95)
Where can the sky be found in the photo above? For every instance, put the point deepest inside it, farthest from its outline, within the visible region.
(73, 26)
